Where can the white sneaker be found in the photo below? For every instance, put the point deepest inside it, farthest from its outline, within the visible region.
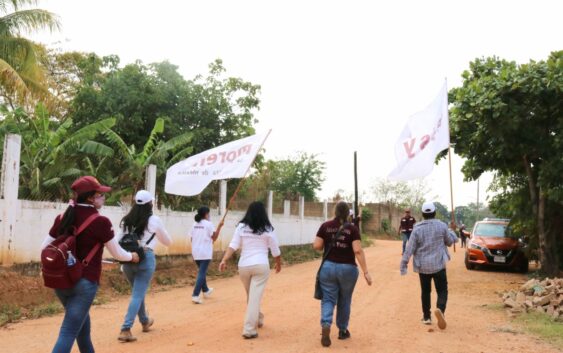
(426, 321)
(208, 293)
(197, 300)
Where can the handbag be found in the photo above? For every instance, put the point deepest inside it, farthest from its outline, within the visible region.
(318, 290)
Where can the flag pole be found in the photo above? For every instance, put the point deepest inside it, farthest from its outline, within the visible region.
(451, 187)
(356, 207)
(230, 204)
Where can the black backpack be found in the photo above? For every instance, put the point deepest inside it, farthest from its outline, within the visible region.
(131, 241)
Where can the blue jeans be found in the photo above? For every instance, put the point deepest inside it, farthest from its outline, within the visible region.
(406, 236)
(139, 276)
(337, 283)
(201, 281)
(76, 323)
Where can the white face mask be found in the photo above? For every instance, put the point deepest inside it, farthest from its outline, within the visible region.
(99, 201)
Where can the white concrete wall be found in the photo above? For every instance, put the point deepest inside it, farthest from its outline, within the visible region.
(34, 219)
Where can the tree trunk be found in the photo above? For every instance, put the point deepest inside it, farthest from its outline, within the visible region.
(547, 241)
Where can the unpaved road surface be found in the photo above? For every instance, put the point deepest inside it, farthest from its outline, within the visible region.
(385, 317)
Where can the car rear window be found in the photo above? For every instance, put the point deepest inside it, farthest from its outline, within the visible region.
(490, 230)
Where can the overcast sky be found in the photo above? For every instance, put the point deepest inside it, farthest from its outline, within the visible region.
(336, 76)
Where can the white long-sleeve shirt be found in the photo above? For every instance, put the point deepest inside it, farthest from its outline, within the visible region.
(254, 247)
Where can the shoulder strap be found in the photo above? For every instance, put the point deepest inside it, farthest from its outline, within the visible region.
(81, 229)
(150, 239)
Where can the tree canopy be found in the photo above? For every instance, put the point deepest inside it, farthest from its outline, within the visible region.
(508, 118)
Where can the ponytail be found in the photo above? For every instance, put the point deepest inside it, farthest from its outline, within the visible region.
(201, 213)
(342, 211)
(67, 220)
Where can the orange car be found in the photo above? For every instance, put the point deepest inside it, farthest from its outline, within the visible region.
(491, 244)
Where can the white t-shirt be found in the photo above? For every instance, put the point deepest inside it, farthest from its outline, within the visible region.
(202, 242)
(154, 225)
(254, 246)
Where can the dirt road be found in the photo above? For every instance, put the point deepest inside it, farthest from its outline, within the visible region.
(385, 317)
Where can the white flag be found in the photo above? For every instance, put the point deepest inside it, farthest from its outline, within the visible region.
(231, 160)
(425, 135)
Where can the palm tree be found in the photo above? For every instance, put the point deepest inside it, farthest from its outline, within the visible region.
(20, 71)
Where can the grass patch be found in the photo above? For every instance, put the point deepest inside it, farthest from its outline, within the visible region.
(543, 326)
(45, 310)
(164, 280)
(367, 241)
(494, 307)
(296, 254)
(9, 314)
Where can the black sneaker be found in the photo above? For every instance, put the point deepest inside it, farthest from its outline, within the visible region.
(325, 339)
(343, 334)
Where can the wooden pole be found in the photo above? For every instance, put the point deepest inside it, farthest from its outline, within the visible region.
(451, 188)
(357, 211)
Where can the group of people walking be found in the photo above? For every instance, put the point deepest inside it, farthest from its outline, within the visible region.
(338, 238)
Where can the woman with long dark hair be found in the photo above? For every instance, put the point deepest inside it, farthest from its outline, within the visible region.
(254, 236)
(140, 220)
(88, 199)
(342, 246)
(203, 235)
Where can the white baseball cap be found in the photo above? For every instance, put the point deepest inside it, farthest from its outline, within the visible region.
(428, 207)
(143, 197)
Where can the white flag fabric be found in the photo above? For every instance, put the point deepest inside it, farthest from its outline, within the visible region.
(231, 160)
(425, 135)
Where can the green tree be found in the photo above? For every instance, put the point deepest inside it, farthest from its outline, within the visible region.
(506, 118)
(132, 162)
(290, 178)
(53, 154)
(214, 109)
(401, 194)
(20, 70)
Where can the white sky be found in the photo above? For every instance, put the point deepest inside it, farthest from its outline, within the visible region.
(336, 76)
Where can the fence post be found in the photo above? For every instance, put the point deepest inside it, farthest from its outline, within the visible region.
(301, 217)
(286, 208)
(223, 197)
(150, 179)
(270, 204)
(325, 210)
(9, 191)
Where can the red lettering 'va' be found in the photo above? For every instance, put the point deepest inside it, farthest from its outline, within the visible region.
(409, 145)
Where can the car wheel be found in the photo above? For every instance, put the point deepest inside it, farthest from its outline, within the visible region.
(468, 265)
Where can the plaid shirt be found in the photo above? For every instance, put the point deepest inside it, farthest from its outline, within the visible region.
(428, 246)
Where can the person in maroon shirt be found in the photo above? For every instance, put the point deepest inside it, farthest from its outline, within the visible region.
(405, 229)
(339, 273)
(88, 198)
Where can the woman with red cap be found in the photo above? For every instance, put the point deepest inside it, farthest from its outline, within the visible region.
(88, 199)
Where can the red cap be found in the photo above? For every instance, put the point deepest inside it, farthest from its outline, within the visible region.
(88, 183)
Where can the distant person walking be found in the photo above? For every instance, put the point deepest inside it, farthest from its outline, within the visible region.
(202, 235)
(405, 229)
(342, 246)
(463, 235)
(149, 227)
(254, 236)
(428, 245)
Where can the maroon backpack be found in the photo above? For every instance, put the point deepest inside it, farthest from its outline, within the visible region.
(56, 272)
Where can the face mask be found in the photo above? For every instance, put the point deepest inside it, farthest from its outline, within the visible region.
(99, 201)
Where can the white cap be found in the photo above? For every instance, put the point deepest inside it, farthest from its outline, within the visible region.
(143, 197)
(428, 207)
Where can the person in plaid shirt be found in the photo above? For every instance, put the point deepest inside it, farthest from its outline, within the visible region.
(428, 244)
